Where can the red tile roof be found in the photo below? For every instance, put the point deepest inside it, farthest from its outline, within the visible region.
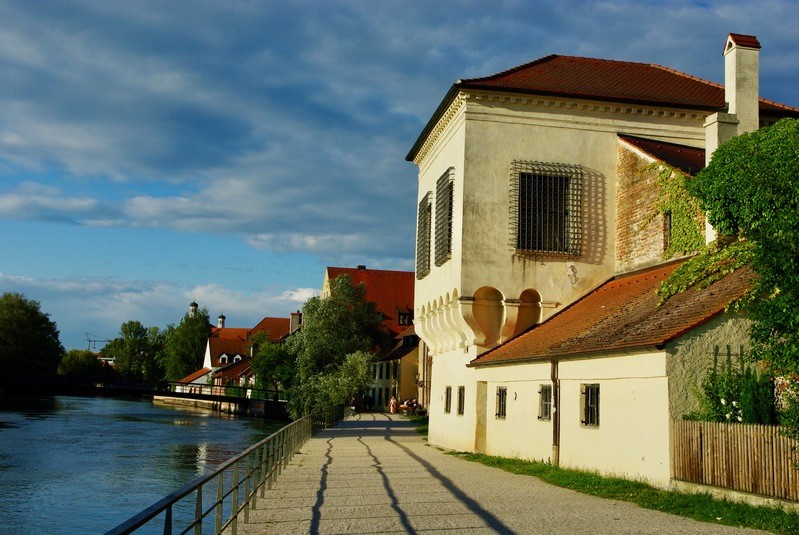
(194, 376)
(391, 291)
(689, 160)
(226, 346)
(230, 333)
(276, 327)
(749, 41)
(234, 370)
(603, 80)
(622, 314)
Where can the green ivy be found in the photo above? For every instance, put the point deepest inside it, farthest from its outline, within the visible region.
(713, 262)
(687, 230)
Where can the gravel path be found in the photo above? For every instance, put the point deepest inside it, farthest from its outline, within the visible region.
(372, 473)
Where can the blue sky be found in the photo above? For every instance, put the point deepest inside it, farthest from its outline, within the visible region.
(158, 152)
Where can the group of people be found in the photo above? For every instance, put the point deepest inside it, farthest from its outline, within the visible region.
(408, 406)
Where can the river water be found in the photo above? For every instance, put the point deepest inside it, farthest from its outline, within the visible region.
(81, 465)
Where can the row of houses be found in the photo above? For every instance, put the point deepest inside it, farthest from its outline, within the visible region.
(540, 247)
(229, 350)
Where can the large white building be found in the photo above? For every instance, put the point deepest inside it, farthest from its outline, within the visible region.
(531, 197)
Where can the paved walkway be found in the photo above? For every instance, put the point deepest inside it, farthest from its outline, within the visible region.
(373, 473)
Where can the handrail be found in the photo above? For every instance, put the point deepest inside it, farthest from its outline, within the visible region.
(229, 390)
(262, 463)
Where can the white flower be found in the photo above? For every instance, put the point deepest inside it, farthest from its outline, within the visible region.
(723, 401)
(734, 403)
(740, 418)
(728, 415)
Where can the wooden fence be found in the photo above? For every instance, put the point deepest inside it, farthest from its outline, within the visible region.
(749, 458)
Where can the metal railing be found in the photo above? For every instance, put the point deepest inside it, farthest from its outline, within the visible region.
(249, 392)
(233, 488)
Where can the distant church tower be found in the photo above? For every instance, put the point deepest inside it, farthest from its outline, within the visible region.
(192, 309)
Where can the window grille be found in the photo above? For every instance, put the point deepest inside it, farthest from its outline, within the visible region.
(545, 208)
(448, 400)
(502, 401)
(667, 226)
(545, 402)
(444, 192)
(423, 237)
(589, 403)
(461, 399)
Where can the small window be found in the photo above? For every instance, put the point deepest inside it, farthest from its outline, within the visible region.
(237, 358)
(502, 402)
(589, 403)
(396, 369)
(448, 400)
(423, 223)
(404, 318)
(380, 372)
(667, 226)
(545, 402)
(223, 359)
(444, 189)
(461, 399)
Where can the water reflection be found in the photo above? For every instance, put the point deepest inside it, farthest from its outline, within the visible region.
(117, 455)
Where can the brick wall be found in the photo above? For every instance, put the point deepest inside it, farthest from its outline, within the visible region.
(640, 233)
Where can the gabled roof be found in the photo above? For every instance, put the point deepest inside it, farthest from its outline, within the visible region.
(194, 376)
(276, 327)
(689, 160)
(603, 80)
(234, 370)
(226, 346)
(391, 291)
(622, 314)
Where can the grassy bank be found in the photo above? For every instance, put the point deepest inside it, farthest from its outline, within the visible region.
(702, 507)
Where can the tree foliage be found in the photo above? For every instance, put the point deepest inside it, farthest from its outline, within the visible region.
(184, 345)
(751, 190)
(334, 328)
(29, 341)
(82, 363)
(137, 352)
(273, 363)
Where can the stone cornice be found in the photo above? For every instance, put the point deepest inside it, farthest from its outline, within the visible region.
(537, 102)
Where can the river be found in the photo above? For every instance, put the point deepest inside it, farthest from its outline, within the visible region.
(77, 465)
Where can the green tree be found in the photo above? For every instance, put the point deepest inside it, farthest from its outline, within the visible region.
(273, 363)
(332, 329)
(83, 363)
(750, 191)
(184, 345)
(137, 352)
(29, 340)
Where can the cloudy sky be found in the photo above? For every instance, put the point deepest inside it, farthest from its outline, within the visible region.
(158, 152)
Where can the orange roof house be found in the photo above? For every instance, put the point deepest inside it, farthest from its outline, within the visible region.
(391, 291)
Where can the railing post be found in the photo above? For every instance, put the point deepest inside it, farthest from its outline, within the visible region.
(220, 490)
(198, 512)
(234, 499)
(247, 490)
(168, 521)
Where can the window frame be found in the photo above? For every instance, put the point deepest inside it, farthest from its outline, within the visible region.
(445, 194)
(448, 400)
(461, 400)
(501, 411)
(545, 208)
(589, 405)
(545, 402)
(423, 229)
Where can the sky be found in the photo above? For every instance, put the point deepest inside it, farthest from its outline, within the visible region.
(154, 153)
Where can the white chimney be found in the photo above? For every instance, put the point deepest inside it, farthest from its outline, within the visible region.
(741, 72)
(220, 321)
(295, 319)
(741, 91)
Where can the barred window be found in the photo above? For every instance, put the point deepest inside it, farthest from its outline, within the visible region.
(589, 404)
(461, 399)
(545, 201)
(502, 402)
(545, 402)
(423, 237)
(444, 191)
(448, 400)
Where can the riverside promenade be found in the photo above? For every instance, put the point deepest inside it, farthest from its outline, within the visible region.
(372, 473)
